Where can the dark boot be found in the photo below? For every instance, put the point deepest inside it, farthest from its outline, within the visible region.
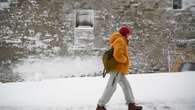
(132, 106)
(100, 108)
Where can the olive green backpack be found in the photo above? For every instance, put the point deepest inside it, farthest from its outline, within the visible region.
(108, 61)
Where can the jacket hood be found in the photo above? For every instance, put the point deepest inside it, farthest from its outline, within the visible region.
(114, 36)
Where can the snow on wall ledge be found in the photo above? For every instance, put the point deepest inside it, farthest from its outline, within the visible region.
(156, 89)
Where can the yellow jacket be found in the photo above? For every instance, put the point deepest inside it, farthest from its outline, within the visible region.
(120, 45)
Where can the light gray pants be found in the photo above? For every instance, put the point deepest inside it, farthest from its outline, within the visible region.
(111, 87)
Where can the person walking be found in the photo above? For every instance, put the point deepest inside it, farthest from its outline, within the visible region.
(119, 42)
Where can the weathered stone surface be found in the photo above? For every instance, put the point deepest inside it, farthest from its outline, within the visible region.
(52, 23)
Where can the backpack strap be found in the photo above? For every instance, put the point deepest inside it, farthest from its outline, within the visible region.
(114, 80)
(104, 73)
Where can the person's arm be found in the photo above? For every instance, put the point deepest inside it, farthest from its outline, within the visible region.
(119, 51)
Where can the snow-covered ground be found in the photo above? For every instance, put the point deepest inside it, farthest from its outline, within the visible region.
(160, 91)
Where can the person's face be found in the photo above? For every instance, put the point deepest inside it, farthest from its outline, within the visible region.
(129, 36)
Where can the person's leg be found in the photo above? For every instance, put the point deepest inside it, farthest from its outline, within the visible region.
(109, 90)
(128, 93)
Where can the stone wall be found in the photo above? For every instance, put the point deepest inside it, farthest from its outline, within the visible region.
(48, 27)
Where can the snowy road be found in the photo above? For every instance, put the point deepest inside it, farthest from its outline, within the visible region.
(162, 91)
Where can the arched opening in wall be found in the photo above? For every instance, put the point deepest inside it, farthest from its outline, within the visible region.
(177, 4)
(84, 29)
(84, 19)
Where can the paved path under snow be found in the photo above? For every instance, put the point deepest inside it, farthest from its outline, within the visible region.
(163, 91)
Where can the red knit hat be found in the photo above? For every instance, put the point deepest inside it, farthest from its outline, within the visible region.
(124, 30)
